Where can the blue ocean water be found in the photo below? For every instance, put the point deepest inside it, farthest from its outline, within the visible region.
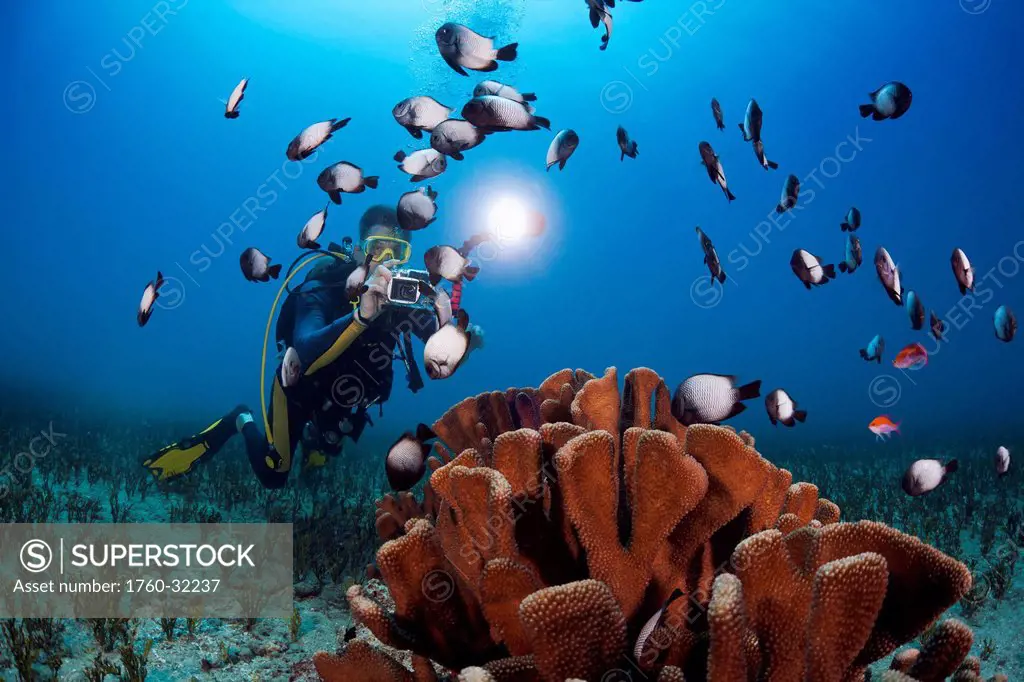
(120, 163)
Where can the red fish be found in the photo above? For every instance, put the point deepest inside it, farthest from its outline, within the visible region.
(883, 427)
(913, 356)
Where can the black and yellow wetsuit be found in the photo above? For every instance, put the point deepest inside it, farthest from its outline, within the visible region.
(347, 369)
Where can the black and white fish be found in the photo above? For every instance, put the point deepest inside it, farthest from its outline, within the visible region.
(422, 164)
(751, 126)
(889, 101)
(463, 48)
(417, 209)
(915, 309)
(716, 111)
(889, 275)
(962, 270)
(312, 230)
(852, 220)
(599, 14)
(1002, 461)
(499, 114)
(765, 162)
(808, 268)
(609, 25)
(149, 296)
(357, 278)
(344, 177)
(448, 347)
(790, 194)
(256, 266)
(306, 142)
(711, 257)
(454, 136)
(1005, 323)
(291, 368)
(420, 113)
(925, 475)
(627, 146)
(501, 90)
(711, 398)
(874, 350)
(714, 168)
(561, 148)
(782, 408)
(938, 326)
(854, 255)
(652, 624)
(596, 8)
(237, 95)
(406, 461)
(451, 264)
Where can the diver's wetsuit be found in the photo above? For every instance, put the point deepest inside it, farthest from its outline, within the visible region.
(347, 368)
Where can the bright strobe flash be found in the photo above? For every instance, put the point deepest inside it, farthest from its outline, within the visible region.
(510, 220)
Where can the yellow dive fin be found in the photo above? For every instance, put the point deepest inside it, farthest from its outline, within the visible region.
(315, 458)
(177, 459)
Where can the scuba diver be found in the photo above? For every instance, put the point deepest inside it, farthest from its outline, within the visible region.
(346, 349)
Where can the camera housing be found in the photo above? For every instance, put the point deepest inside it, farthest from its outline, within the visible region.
(406, 289)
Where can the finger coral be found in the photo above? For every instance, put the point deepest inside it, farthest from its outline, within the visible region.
(944, 654)
(561, 520)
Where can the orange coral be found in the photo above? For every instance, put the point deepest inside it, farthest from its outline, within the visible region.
(577, 630)
(517, 669)
(827, 512)
(394, 511)
(766, 509)
(728, 630)
(586, 465)
(847, 598)
(559, 519)
(905, 659)
(361, 663)
(923, 582)
(943, 653)
(503, 586)
(736, 474)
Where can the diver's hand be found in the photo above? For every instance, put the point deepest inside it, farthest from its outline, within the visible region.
(374, 295)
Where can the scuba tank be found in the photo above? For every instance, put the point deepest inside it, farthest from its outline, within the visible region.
(329, 272)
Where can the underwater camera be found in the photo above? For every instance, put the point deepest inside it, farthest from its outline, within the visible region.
(406, 289)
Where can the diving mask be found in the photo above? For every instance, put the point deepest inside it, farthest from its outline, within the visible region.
(383, 249)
